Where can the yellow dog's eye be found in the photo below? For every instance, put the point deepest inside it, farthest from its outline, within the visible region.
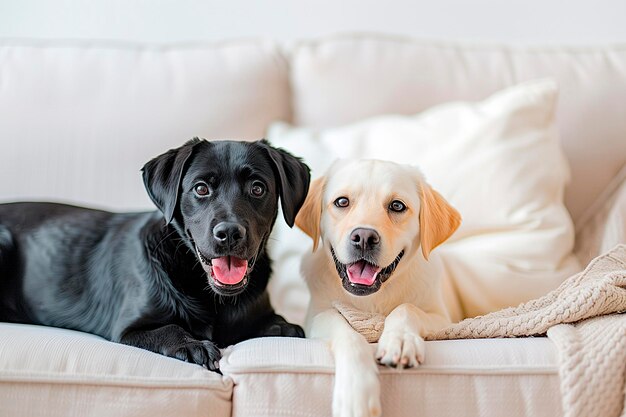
(397, 206)
(342, 202)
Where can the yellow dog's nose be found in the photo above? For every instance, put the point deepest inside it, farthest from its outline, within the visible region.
(364, 238)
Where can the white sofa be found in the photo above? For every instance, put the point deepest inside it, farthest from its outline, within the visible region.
(78, 120)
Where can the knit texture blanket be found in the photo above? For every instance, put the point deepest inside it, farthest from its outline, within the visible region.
(585, 318)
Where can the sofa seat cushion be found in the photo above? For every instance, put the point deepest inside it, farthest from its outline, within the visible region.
(58, 372)
(491, 377)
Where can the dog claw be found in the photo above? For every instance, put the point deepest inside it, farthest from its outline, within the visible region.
(400, 350)
(204, 353)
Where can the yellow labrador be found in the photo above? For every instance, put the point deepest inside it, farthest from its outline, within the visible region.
(372, 218)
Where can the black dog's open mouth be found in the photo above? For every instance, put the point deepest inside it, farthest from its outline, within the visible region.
(363, 277)
(229, 274)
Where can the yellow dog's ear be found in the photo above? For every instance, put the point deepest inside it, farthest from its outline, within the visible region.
(438, 219)
(310, 214)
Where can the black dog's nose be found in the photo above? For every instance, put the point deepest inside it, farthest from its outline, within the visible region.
(229, 233)
(365, 238)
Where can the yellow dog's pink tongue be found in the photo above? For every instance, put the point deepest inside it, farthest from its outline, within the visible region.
(229, 270)
(362, 273)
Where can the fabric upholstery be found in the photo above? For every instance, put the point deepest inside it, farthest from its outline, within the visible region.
(61, 373)
(345, 79)
(460, 377)
(88, 116)
(605, 225)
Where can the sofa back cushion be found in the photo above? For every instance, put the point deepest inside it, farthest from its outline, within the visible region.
(345, 79)
(78, 121)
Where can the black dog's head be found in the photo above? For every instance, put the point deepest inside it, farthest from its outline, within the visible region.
(222, 197)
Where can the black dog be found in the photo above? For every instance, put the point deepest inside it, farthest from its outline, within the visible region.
(183, 287)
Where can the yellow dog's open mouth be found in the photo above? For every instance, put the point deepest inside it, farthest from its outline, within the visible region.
(363, 277)
(362, 272)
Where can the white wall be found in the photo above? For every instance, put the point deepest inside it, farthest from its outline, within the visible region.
(518, 21)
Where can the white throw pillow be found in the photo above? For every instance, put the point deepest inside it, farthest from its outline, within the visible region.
(498, 161)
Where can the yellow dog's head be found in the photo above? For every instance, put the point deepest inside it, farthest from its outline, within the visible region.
(370, 216)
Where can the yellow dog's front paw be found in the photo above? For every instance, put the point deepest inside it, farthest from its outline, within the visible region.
(357, 394)
(404, 349)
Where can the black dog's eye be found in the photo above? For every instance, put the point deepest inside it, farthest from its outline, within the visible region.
(397, 206)
(342, 202)
(201, 189)
(257, 189)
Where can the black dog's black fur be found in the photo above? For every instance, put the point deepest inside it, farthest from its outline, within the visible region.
(133, 279)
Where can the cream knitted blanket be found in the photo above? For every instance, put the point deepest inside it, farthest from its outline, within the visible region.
(584, 318)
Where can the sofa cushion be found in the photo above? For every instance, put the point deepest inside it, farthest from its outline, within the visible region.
(488, 377)
(498, 162)
(605, 226)
(57, 372)
(79, 120)
(347, 78)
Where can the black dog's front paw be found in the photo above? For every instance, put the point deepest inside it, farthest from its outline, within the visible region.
(202, 352)
(278, 326)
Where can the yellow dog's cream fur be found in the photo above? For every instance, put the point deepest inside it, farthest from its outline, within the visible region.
(411, 299)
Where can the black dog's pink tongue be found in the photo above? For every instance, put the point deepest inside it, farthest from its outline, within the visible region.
(362, 273)
(229, 270)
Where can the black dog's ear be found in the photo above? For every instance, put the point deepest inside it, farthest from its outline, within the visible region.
(163, 174)
(294, 176)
